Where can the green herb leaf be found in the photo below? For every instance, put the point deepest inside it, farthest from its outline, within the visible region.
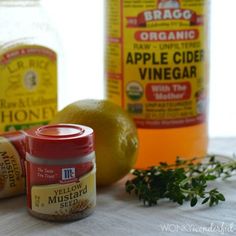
(205, 200)
(186, 180)
(221, 197)
(193, 202)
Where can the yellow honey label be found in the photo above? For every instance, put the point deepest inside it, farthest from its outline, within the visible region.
(157, 60)
(28, 86)
(65, 199)
(12, 179)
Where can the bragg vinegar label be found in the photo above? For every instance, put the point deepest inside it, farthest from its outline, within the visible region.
(156, 60)
(28, 87)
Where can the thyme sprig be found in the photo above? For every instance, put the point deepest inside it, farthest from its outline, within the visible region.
(186, 180)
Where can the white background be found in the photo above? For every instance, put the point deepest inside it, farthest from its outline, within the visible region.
(80, 25)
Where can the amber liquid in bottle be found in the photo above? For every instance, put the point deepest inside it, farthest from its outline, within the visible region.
(166, 144)
(157, 70)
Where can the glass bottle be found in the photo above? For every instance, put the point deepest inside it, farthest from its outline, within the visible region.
(157, 69)
(29, 55)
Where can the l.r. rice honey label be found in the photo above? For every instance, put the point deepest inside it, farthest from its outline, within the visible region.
(157, 60)
(28, 86)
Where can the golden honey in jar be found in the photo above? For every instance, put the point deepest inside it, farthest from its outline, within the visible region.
(29, 72)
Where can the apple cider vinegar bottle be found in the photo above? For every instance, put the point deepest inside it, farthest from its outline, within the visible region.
(157, 70)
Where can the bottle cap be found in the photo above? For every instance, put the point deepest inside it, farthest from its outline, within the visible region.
(60, 141)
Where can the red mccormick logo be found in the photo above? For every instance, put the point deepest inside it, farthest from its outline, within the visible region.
(166, 10)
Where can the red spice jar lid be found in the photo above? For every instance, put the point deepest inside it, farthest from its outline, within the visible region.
(60, 141)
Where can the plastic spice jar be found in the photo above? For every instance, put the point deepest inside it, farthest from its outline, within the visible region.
(60, 168)
(12, 168)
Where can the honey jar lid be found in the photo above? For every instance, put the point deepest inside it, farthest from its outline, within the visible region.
(60, 141)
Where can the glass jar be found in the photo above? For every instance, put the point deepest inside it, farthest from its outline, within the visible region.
(60, 170)
(29, 49)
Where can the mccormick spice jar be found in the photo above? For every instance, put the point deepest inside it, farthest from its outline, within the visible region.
(12, 158)
(60, 167)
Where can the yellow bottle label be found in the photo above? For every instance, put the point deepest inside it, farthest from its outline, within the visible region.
(12, 178)
(65, 199)
(28, 86)
(157, 60)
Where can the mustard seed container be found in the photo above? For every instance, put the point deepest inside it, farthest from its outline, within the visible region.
(60, 167)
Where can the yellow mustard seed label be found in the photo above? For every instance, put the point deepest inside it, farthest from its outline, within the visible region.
(12, 179)
(28, 86)
(65, 199)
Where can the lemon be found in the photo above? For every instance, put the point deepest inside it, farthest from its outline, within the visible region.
(116, 139)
